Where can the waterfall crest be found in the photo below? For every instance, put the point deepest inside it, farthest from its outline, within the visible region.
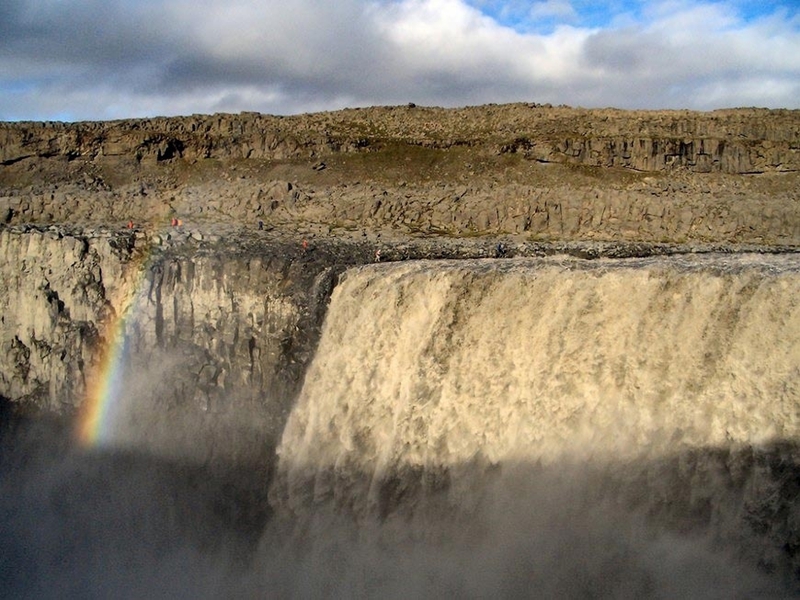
(436, 363)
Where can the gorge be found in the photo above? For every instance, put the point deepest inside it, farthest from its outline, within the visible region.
(402, 351)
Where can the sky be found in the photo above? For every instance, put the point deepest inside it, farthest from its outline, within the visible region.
(75, 60)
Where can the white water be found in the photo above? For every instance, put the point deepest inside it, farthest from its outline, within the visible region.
(543, 412)
(437, 363)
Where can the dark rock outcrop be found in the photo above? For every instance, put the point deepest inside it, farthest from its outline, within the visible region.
(728, 141)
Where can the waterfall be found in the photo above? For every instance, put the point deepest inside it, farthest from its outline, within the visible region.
(485, 404)
(552, 428)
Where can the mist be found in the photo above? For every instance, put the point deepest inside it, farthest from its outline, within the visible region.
(461, 431)
(96, 524)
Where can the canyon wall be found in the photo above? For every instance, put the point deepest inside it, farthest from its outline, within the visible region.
(58, 292)
(217, 342)
(733, 141)
(308, 400)
(649, 210)
(536, 172)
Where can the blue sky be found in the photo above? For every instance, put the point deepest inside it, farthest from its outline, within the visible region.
(544, 16)
(106, 59)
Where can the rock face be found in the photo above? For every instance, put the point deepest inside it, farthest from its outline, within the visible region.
(542, 173)
(213, 271)
(206, 332)
(58, 291)
(225, 309)
(730, 141)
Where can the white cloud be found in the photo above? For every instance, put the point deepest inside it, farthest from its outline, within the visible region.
(447, 35)
(689, 50)
(112, 58)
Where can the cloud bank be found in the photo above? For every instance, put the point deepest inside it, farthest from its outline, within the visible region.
(105, 59)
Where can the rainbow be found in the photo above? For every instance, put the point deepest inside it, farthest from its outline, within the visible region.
(96, 414)
(104, 387)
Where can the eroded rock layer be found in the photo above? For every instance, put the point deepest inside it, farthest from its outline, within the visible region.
(544, 173)
(731, 141)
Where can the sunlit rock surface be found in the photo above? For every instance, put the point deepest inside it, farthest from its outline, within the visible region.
(400, 352)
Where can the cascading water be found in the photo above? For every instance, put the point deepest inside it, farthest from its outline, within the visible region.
(550, 427)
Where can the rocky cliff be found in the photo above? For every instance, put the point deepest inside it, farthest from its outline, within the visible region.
(730, 141)
(539, 172)
(224, 310)
(213, 271)
(58, 291)
(211, 335)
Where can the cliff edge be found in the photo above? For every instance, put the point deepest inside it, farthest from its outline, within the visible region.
(538, 172)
